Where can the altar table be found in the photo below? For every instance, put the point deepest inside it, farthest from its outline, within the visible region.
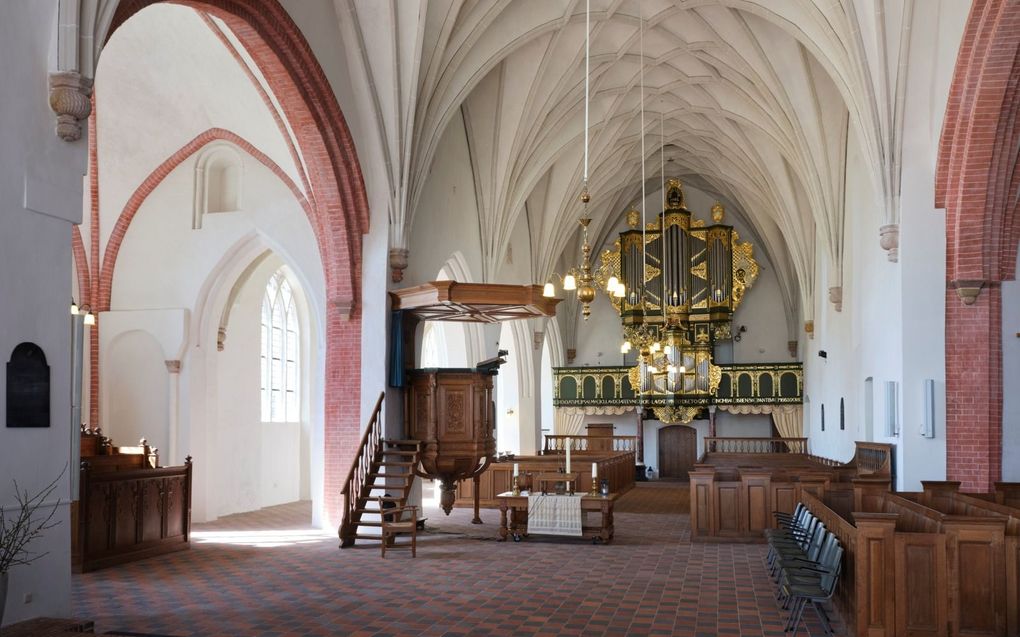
(516, 523)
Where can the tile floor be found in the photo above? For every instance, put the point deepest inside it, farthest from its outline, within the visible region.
(269, 574)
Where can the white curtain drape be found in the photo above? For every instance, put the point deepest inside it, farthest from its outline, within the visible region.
(789, 421)
(567, 424)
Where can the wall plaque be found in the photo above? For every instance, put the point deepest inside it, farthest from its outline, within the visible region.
(28, 387)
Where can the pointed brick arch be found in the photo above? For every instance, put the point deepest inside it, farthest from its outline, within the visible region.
(977, 181)
(338, 204)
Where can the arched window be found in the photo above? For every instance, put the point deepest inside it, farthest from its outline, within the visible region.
(280, 350)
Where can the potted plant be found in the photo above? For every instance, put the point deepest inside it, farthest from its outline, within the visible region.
(19, 527)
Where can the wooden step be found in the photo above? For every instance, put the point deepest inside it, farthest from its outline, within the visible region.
(381, 498)
(399, 452)
(395, 443)
(390, 475)
(396, 463)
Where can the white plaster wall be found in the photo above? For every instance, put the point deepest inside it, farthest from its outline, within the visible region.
(1011, 379)
(262, 461)
(164, 263)
(138, 406)
(892, 327)
(40, 196)
(199, 86)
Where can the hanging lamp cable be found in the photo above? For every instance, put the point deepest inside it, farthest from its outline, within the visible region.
(644, 216)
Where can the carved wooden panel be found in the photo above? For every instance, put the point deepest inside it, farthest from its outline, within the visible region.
(757, 508)
(152, 511)
(921, 584)
(125, 531)
(784, 498)
(727, 498)
(701, 507)
(976, 575)
(175, 506)
(455, 406)
(97, 536)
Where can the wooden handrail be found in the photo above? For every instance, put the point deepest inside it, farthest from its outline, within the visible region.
(755, 445)
(557, 443)
(360, 467)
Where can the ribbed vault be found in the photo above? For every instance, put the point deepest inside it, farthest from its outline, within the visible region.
(756, 99)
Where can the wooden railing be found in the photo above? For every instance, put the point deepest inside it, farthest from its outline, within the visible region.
(361, 466)
(558, 443)
(755, 445)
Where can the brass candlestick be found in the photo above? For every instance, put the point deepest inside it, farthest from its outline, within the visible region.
(515, 488)
(594, 486)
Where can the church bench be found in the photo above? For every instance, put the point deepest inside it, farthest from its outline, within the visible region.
(128, 507)
(918, 564)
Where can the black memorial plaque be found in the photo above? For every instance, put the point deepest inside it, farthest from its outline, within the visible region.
(28, 387)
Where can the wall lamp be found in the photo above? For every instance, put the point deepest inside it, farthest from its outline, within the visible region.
(84, 310)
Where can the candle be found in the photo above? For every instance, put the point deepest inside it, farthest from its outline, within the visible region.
(568, 455)
(594, 470)
(516, 470)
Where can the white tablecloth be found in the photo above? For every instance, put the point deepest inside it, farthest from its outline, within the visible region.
(555, 514)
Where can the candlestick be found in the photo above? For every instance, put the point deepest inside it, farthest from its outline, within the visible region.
(568, 455)
(515, 488)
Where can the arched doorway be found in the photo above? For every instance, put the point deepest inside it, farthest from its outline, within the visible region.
(678, 447)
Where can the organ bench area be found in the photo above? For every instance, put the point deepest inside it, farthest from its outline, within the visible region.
(936, 562)
(129, 507)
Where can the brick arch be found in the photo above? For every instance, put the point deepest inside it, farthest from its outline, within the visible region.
(338, 201)
(977, 180)
(156, 177)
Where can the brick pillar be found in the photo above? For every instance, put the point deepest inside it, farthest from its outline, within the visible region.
(974, 390)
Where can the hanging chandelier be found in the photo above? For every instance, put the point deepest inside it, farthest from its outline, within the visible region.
(581, 278)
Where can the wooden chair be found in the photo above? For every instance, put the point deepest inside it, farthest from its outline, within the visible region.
(394, 523)
(543, 480)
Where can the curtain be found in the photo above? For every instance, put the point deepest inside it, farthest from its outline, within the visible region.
(396, 375)
(789, 421)
(567, 424)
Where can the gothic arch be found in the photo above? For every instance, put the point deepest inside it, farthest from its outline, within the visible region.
(338, 202)
(976, 181)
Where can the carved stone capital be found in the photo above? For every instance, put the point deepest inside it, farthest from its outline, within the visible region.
(792, 346)
(398, 263)
(539, 338)
(809, 328)
(889, 239)
(69, 99)
(344, 307)
(221, 338)
(836, 297)
(967, 290)
(571, 355)
(174, 367)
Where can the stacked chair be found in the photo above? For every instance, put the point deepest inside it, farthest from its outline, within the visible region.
(805, 559)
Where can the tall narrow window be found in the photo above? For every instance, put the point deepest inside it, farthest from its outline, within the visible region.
(280, 349)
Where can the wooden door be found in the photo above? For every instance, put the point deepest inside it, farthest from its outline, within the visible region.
(678, 447)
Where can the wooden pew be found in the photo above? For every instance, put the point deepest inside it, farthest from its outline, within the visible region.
(930, 563)
(129, 508)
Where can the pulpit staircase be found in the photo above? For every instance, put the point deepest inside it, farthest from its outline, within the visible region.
(380, 478)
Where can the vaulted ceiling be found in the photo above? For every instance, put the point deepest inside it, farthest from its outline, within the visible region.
(754, 99)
